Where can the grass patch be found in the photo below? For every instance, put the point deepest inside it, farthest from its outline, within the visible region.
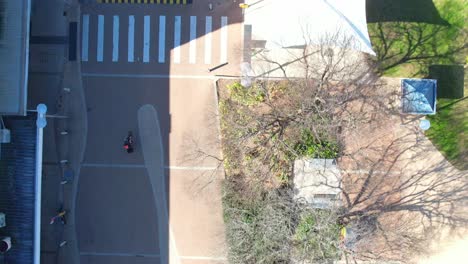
(263, 133)
(449, 80)
(267, 226)
(406, 49)
(248, 96)
(448, 131)
(316, 237)
(402, 10)
(258, 226)
(310, 147)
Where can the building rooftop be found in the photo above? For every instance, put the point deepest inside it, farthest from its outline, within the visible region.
(317, 181)
(419, 96)
(340, 23)
(14, 50)
(17, 189)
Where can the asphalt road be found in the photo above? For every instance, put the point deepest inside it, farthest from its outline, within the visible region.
(136, 55)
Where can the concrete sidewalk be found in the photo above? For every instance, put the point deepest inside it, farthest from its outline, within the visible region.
(69, 136)
(74, 143)
(388, 149)
(56, 82)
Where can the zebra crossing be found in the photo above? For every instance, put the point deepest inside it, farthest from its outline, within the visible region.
(149, 39)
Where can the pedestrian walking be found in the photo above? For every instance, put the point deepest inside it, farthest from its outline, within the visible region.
(60, 216)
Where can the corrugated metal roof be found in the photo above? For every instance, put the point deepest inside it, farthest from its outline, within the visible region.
(17, 180)
(14, 49)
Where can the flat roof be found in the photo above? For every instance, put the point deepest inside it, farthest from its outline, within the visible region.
(14, 50)
(315, 180)
(294, 23)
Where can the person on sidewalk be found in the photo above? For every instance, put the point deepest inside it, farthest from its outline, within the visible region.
(60, 215)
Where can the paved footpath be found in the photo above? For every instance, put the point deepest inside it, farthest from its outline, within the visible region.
(392, 152)
(55, 81)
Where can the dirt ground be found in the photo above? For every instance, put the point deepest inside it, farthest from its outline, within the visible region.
(390, 146)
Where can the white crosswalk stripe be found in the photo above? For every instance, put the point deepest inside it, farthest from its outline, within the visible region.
(162, 38)
(97, 26)
(177, 22)
(208, 39)
(131, 38)
(115, 40)
(100, 38)
(223, 44)
(193, 40)
(85, 38)
(146, 42)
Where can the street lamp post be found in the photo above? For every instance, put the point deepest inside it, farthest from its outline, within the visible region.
(41, 122)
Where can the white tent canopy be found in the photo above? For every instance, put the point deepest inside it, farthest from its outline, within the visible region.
(293, 23)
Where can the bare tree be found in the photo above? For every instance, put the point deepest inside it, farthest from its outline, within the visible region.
(272, 111)
(408, 202)
(390, 205)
